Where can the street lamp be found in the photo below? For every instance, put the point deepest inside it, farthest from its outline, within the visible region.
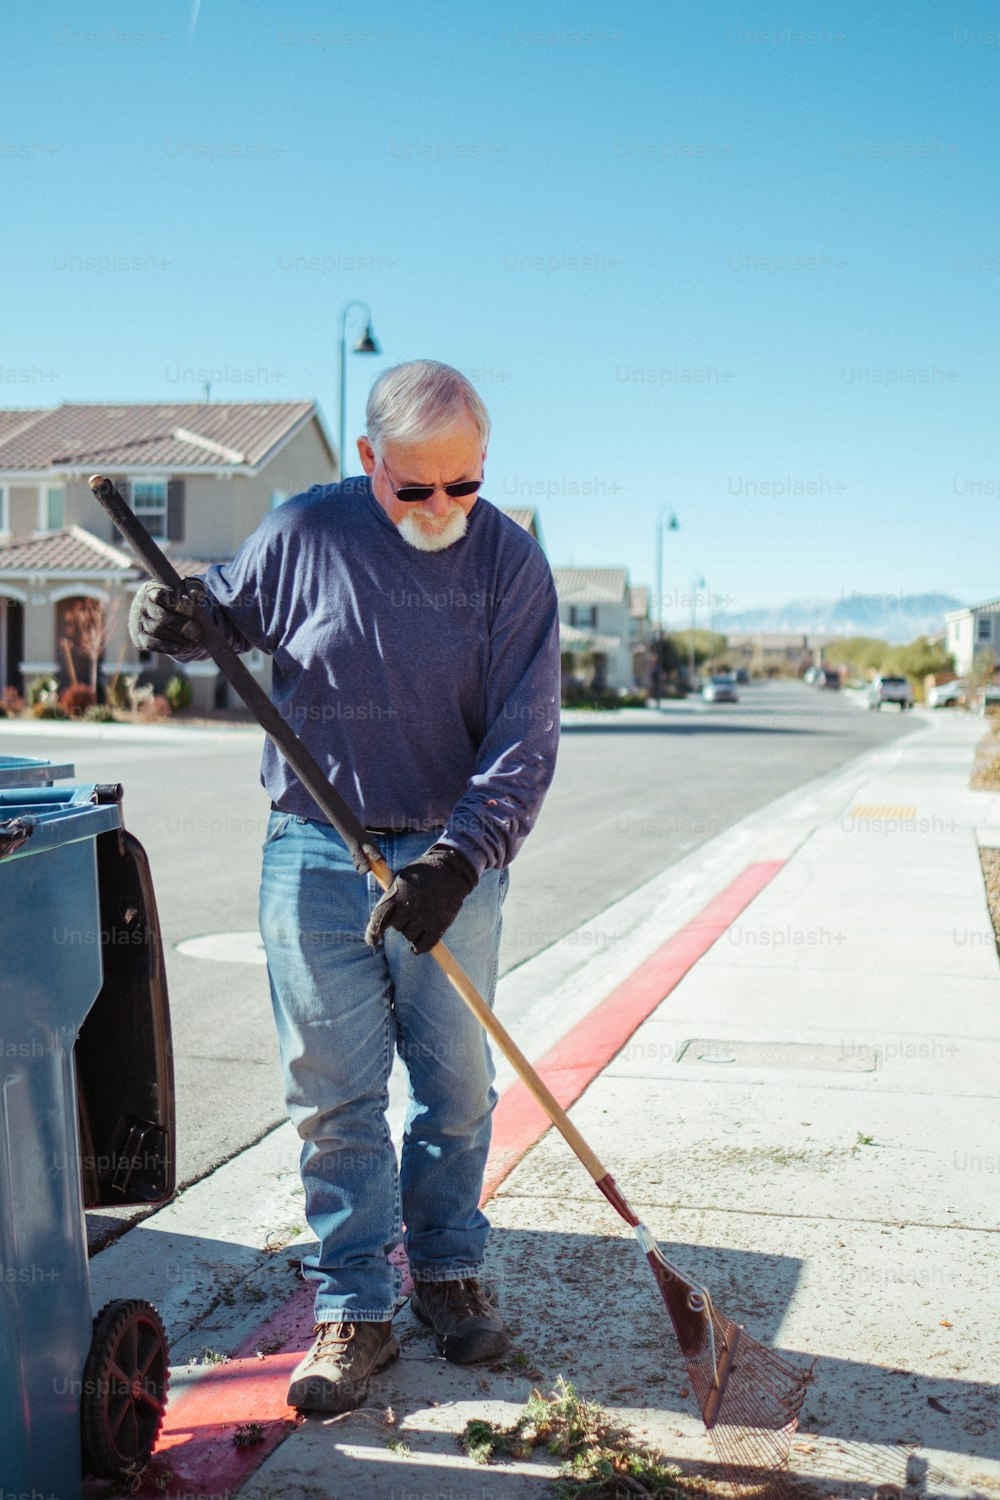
(699, 583)
(674, 525)
(366, 344)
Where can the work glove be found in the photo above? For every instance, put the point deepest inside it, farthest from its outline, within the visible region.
(424, 898)
(161, 619)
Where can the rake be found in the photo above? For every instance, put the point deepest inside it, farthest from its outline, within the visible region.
(749, 1397)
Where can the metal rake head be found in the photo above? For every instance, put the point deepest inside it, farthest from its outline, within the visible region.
(750, 1398)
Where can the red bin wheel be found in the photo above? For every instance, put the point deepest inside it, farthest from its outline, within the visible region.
(125, 1384)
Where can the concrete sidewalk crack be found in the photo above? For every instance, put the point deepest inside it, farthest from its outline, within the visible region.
(752, 1213)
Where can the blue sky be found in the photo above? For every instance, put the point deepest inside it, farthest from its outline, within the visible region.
(741, 262)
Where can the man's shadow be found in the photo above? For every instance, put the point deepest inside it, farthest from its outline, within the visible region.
(588, 1308)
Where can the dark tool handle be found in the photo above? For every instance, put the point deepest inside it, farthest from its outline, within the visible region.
(364, 854)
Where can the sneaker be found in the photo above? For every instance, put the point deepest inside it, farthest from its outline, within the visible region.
(467, 1325)
(334, 1375)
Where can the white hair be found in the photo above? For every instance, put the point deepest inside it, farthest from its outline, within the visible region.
(419, 400)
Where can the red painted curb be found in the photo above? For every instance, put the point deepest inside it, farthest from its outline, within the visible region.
(196, 1448)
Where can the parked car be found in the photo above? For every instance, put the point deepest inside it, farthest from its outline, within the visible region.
(811, 675)
(891, 690)
(828, 677)
(742, 676)
(945, 694)
(721, 688)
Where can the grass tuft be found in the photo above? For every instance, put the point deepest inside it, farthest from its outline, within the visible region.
(248, 1435)
(600, 1461)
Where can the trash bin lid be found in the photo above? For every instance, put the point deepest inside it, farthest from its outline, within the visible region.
(20, 770)
(33, 820)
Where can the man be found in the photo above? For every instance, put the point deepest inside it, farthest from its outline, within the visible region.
(414, 635)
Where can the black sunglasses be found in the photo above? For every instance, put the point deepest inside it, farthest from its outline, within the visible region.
(410, 494)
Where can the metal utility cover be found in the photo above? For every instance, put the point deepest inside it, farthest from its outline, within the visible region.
(812, 1056)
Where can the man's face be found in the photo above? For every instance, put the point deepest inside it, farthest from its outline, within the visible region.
(446, 458)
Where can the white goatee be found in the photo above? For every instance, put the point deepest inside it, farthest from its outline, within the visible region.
(429, 535)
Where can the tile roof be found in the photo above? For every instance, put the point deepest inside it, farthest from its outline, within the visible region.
(589, 585)
(72, 550)
(571, 638)
(79, 551)
(523, 515)
(12, 421)
(191, 435)
(991, 607)
(187, 567)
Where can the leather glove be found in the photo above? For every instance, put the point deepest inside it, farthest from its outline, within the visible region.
(424, 898)
(161, 619)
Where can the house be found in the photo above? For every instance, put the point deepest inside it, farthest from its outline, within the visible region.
(527, 519)
(604, 628)
(971, 634)
(200, 476)
(643, 635)
(764, 651)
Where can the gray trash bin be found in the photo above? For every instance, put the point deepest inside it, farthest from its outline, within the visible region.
(86, 1119)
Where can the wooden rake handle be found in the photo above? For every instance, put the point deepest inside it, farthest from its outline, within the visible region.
(366, 855)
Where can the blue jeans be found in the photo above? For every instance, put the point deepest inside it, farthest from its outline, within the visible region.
(342, 1010)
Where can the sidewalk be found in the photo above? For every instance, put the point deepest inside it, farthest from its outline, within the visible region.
(807, 1120)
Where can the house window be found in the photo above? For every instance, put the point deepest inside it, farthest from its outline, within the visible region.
(985, 628)
(149, 501)
(55, 508)
(4, 509)
(584, 617)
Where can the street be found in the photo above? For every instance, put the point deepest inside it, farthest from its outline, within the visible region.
(627, 801)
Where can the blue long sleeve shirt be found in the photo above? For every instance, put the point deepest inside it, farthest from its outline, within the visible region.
(426, 684)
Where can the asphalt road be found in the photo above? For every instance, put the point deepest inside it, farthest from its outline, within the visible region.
(627, 801)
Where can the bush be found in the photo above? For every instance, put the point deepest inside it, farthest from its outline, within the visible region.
(77, 698)
(918, 660)
(49, 711)
(42, 690)
(179, 694)
(155, 706)
(578, 696)
(120, 689)
(100, 713)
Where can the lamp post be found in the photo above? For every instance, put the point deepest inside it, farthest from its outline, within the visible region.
(699, 583)
(674, 525)
(366, 344)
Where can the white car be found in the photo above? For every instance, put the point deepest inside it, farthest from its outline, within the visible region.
(944, 694)
(721, 688)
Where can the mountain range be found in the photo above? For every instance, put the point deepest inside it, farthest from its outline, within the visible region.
(889, 617)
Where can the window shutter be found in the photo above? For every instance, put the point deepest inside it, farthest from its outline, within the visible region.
(124, 488)
(175, 510)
